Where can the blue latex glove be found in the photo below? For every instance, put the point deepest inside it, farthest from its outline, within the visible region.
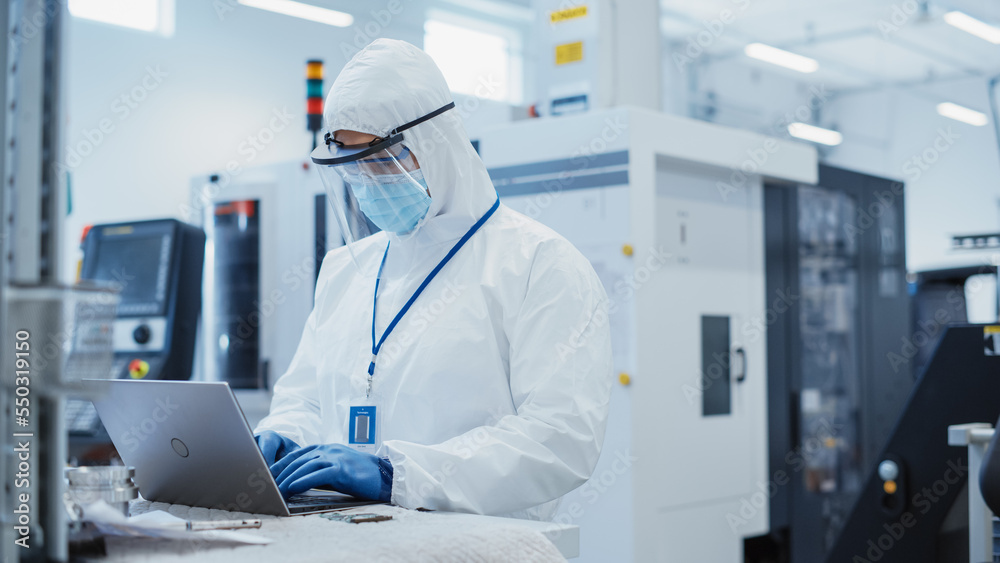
(344, 469)
(274, 446)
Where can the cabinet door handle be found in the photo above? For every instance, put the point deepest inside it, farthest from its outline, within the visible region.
(742, 375)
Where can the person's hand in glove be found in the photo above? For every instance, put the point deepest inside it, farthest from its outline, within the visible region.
(274, 446)
(340, 467)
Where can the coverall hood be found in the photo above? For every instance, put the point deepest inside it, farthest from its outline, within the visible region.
(391, 82)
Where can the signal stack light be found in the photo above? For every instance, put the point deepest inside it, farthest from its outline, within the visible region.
(314, 98)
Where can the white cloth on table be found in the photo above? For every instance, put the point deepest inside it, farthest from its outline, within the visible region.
(411, 536)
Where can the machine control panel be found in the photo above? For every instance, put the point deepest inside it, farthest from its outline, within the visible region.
(141, 334)
(157, 268)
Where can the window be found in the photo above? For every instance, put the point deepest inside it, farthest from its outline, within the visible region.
(474, 61)
(145, 15)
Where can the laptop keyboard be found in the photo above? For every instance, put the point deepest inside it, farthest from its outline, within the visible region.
(313, 500)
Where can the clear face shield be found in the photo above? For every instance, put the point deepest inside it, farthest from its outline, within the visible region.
(375, 186)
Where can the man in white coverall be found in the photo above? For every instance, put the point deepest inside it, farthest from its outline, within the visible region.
(460, 358)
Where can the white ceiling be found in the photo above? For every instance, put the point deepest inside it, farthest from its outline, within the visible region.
(857, 42)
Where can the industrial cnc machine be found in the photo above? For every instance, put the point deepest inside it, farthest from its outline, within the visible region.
(156, 267)
(731, 278)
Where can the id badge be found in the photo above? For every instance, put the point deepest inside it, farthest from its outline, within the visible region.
(363, 428)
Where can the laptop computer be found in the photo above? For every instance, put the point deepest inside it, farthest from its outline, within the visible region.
(190, 444)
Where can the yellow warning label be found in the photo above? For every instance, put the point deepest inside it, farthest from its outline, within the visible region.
(569, 53)
(991, 340)
(123, 230)
(568, 14)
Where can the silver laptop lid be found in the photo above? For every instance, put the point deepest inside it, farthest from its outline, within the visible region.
(189, 444)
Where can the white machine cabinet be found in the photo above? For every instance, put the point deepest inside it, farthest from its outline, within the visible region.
(669, 211)
(281, 229)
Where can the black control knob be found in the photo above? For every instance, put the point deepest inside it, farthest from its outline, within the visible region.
(141, 334)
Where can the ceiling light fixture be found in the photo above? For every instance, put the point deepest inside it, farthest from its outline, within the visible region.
(815, 134)
(304, 11)
(962, 113)
(781, 57)
(969, 24)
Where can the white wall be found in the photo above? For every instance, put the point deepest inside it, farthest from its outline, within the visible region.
(221, 79)
(225, 76)
(951, 170)
(959, 192)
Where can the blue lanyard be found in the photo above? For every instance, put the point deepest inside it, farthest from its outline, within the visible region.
(420, 289)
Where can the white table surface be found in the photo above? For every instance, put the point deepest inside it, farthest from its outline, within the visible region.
(409, 536)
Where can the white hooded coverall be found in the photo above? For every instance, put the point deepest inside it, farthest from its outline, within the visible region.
(494, 387)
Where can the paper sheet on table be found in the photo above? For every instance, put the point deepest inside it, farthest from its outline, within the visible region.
(157, 524)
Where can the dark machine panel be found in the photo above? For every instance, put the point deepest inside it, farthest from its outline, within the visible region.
(235, 333)
(715, 353)
(902, 523)
(939, 299)
(157, 268)
(835, 261)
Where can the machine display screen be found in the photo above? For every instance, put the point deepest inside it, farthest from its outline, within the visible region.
(138, 267)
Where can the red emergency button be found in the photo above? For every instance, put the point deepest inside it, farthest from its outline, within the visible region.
(137, 369)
